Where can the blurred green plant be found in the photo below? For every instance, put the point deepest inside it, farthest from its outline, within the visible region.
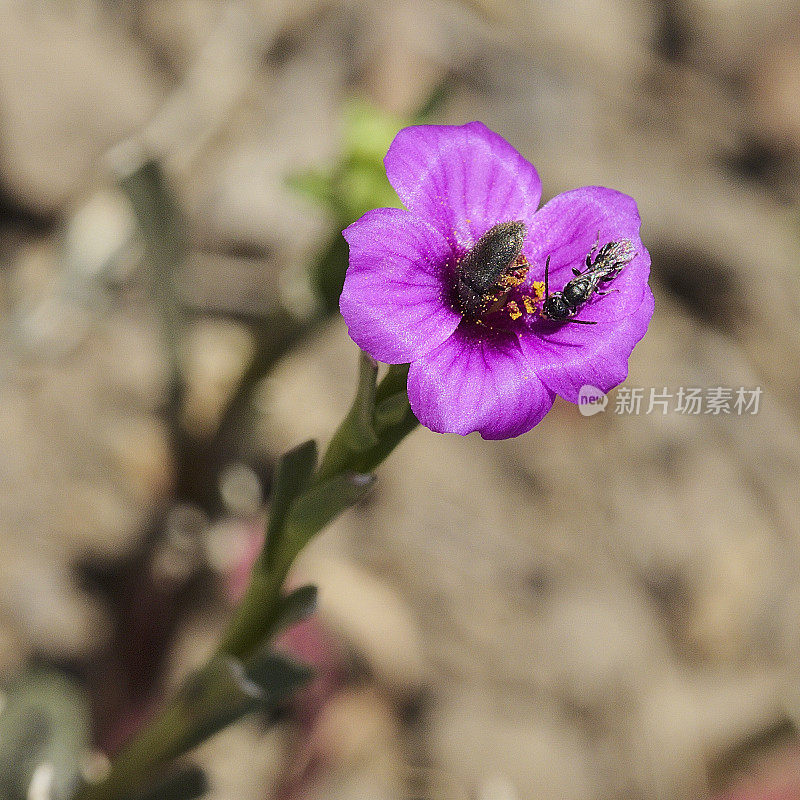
(185, 783)
(355, 184)
(44, 735)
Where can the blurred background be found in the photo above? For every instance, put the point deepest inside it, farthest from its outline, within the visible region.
(607, 607)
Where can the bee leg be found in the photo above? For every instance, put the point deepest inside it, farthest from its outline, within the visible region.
(582, 321)
(593, 251)
(608, 291)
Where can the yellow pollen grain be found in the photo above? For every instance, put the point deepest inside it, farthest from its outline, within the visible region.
(528, 302)
(537, 287)
(513, 310)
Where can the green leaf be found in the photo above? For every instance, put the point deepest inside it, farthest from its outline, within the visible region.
(434, 102)
(315, 185)
(296, 606)
(162, 227)
(321, 504)
(213, 698)
(157, 212)
(360, 187)
(369, 131)
(225, 690)
(292, 475)
(218, 694)
(394, 382)
(392, 411)
(356, 433)
(393, 414)
(260, 608)
(278, 676)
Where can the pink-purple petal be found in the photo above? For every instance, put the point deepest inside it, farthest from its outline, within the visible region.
(462, 179)
(395, 297)
(571, 356)
(567, 227)
(477, 382)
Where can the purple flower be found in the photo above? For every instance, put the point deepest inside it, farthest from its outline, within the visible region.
(453, 289)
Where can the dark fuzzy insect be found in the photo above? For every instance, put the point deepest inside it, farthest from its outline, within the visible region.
(564, 305)
(490, 268)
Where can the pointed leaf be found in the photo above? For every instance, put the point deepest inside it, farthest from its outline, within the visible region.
(292, 475)
(226, 690)
(296, 606)
(361, 427)
(278, 676)
(213, 698)
(392, 411)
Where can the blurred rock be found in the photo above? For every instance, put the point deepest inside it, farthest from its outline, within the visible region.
(44, 320)
(13, 653)
(214, 355)
(140, 450)
(354, 726)
(406, 52)
(371, 618)
(356, 742)
(68, 90)
(599, 653)
(131, 351)
(85, 461)
(728, 34)
(39, 602)
(234, 285)
(97, 236)
(774, 92)
(688, 721)
(177, 30)
(224, 758)
(238, 195)
(479, 735)
(98, 519)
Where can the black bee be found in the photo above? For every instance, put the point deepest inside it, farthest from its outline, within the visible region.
(491, 269)
(564, 305)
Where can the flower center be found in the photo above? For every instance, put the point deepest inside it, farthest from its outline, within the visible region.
(489, 276)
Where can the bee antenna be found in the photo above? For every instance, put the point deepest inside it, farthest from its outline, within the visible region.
(546, 276)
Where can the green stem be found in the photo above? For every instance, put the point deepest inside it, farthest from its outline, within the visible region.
(255, 615)
(351, 450)
(394, 421)
(377, 422)
(152, 747)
